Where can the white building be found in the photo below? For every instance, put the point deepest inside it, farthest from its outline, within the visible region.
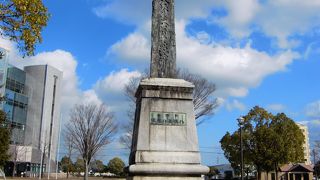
(33, 114)
(43, 117)
(306, 146)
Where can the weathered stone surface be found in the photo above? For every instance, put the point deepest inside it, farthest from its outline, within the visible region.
(167, 157)
(165, 88)
(166, 138)
(163, 51)
(166, 82)
(165, 141)
(168, 169)
(162, 150)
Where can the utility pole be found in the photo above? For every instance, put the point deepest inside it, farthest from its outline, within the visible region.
(314, 163)
(241, 121)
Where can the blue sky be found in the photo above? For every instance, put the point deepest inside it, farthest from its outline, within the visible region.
(257, 52)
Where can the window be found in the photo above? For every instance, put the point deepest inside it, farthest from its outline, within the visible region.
(15, 86)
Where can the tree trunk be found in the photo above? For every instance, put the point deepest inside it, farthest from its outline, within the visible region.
(69, 164)
(14, 173)
(258, 175)
(14, 168)
(86, 176)
(276, 169)
(68, 168)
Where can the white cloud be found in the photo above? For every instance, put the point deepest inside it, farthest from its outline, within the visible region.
(135, 48)
(6, 44)
(235, 105)
(90, 96)
(313, 109)
(280, 18)
(127, 11)
(276, 107)
(313, 128)
(203, 37)
(316, 122)
(240, 16)
(233, 69)
(111, 88)
(312, 49)
(108, 90)
(64, 61)
(139, 11)
(115, 81)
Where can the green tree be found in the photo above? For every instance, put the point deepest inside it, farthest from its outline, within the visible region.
(67, 165)
(317, 169)
(258, 139)
(268, 141)
(22, 21)
(4, 140)
(288, 141)
(116, 166)
(79, 166)
(97, 166)
(213, 171)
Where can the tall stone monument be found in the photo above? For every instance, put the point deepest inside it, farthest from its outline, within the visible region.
(163, 51)
(165, 141)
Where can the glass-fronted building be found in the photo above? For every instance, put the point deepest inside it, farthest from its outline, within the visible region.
(31, 101)
(14, 99)
(16, 103)
(3, 69)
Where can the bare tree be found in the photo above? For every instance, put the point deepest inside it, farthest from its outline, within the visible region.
(203, 100)
(70, 147)
(130, 90)
(91, 127)
(44, 154)
(315, 154)
(18, 150)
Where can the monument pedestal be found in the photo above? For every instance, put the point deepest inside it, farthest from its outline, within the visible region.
(165, 141)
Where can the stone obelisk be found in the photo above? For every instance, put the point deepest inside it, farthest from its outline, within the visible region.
(163, 50)
(165, 141)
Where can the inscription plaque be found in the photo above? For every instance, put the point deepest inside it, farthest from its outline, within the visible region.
(168, 119)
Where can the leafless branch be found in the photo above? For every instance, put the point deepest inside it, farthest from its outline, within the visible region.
(91, 127)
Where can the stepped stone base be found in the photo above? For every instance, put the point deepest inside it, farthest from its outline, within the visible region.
(163, 177)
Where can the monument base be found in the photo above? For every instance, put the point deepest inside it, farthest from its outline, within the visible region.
(154, 171)
(163, 177)
(165, 141)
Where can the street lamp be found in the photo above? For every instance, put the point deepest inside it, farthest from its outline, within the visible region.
(241, 121)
